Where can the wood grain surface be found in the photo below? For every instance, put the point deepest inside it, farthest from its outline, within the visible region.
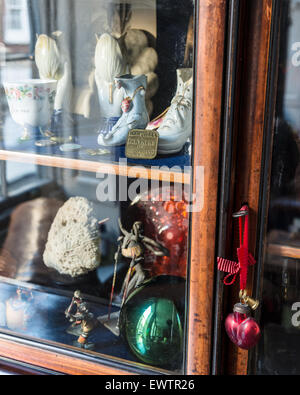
(209, 82)
(55, 361)
(132, 171)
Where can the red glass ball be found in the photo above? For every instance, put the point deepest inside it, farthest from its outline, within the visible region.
(163, 212)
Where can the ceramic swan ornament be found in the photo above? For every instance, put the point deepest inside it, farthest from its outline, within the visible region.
(109, 63)
(135, 115)
(53, 62)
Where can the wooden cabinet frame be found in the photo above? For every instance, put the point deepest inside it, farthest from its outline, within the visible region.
(231, 76)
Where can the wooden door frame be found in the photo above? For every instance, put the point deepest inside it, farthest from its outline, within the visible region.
(209, 67)
(248, 139)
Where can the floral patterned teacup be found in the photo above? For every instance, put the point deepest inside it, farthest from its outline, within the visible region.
(31, 102)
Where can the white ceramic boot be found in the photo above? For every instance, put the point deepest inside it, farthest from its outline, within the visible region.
(135, 115)
(176, 127)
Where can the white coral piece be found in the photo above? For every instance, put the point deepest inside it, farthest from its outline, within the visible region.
(73, 240)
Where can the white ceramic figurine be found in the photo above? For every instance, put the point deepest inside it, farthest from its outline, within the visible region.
(53, 62)
(135, 115)
(109, 63)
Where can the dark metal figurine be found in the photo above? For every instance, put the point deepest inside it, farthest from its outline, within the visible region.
(83, 322)
(133, 245)
(72, 313)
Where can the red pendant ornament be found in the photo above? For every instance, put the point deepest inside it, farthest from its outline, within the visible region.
(242, 329)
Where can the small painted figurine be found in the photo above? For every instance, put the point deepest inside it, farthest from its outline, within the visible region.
(73, 315)
(133, 245)
(83, 322)
(88, 324)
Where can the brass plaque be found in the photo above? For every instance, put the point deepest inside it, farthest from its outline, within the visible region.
(141, 144)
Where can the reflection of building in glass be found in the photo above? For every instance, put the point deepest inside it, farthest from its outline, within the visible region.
(2, 54)
(14, 26)
(291, 83)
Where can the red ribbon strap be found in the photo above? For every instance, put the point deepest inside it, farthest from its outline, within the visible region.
(245, 259)
(227, 266)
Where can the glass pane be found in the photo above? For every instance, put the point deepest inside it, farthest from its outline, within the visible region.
(97, 134)
(278, 351)
(14, 52)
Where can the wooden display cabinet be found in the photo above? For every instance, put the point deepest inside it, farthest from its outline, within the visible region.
(234, 41)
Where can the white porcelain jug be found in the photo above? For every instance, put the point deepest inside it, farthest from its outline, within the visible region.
(134, 111)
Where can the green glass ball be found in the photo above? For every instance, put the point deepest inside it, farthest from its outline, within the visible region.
(151, 321)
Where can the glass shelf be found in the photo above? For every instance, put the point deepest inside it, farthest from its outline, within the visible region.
(173, 168)
(48, 324)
